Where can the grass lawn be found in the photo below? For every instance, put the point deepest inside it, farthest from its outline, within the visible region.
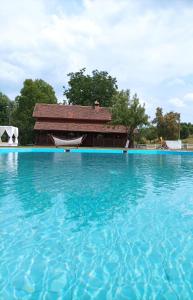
(189, 140)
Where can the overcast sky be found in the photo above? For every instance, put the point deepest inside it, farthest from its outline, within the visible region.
(146, 44)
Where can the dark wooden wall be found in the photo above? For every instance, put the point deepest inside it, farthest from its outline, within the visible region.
(92, 139)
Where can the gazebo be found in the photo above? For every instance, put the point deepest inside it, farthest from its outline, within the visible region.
(12, 133)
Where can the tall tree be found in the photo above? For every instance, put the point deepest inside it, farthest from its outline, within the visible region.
(184, 130)
(85, 89)
(129, 112)
(160, 122)
(172, 125)
(168, 125)
(190, 126)
(6, 108)
(33, 91)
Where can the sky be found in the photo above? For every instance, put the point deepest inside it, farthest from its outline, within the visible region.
(146, 44)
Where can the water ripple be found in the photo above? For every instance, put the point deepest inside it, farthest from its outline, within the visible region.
(84, 226)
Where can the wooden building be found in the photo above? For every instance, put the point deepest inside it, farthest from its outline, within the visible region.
(70, 121)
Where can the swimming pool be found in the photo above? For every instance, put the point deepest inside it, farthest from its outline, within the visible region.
(87, 226)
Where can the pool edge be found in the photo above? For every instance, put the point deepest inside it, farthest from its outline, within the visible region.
(94, 151)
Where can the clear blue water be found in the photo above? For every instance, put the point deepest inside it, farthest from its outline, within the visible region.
(105, 226)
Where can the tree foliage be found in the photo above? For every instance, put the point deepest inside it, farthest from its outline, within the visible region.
(33, 91)
(85, 89)
(186, 129)
(149, 133)
(6, 108)
(159, 121)
(129, 112)
(168, 125)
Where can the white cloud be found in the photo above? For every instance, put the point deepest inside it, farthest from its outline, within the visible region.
(143, 45)
(177, 102)
(10, 72)
(176, 82)
(189, 97)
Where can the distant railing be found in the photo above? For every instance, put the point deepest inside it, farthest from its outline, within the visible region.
(187, 146)
(157, 146)
(147, 146)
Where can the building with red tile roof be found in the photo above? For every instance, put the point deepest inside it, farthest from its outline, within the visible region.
(70, 121)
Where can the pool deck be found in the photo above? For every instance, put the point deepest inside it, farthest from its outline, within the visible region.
(35, 149)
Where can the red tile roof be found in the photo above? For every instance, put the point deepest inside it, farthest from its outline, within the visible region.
(78, 112)
(56, 126)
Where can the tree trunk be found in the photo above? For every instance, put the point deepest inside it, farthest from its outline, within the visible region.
(131, 138)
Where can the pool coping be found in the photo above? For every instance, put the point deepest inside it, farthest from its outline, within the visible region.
(5, 150)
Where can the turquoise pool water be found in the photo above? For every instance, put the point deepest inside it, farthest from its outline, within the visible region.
(87, 226)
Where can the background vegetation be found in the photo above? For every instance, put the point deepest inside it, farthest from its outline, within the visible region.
(85, 89)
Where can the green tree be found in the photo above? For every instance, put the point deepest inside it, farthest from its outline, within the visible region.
(128, 111)
(160, 122)
(85, 89)
(172, 124)
(6, 108)
(33, 91)
(150, 133)
(184, 130)
(168, 125)
(190, 126)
